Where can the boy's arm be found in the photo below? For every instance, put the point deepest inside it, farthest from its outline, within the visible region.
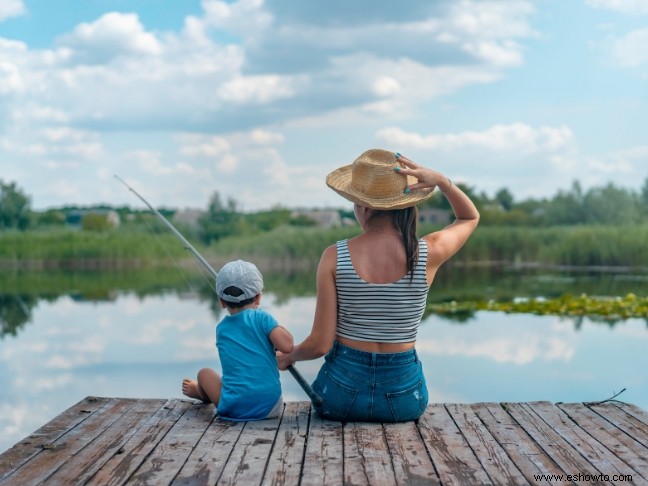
(281, 339)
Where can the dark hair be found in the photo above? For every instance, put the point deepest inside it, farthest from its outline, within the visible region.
(405, 221)
(236, 292)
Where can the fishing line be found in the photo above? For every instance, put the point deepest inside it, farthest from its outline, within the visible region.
(175, 262)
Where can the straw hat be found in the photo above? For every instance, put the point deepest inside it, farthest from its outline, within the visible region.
(372, 182)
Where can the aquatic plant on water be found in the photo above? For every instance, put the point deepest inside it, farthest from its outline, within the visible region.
(608, 308)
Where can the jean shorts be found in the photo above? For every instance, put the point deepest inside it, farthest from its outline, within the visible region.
(357, 386)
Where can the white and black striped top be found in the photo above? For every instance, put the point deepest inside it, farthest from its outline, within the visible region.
(386, 313)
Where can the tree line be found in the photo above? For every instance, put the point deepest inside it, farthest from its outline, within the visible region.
(604, 205)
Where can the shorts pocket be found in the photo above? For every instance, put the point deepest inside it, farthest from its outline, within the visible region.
(408, 404)
(337, 398)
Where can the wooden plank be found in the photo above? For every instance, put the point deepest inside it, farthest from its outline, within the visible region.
(366, 456)
(560, 451)
(632, 426)
(285, 462)
(452, 456)
(133, 451)
(410, 460)
(16, 456)
(639, 420)
(166, 460)
(493, 458)
(622, 445)
(588, 447)
(247, 463)
(89, 460)
(523, 451)
(324, 458)
(206, 462)
(636, 412)
(50, 459)
(128, 441)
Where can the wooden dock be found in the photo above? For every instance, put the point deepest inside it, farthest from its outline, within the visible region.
(113, 441)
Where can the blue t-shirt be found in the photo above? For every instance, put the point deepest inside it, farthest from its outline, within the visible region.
(251, 385)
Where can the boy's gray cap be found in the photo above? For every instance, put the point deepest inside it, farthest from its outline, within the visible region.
(242, 275)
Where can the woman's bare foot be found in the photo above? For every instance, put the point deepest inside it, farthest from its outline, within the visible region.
(191, 389)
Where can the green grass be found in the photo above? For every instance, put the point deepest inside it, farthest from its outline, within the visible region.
(58, 245)
(567, 245)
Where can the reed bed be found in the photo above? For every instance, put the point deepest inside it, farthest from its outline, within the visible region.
(613, 246)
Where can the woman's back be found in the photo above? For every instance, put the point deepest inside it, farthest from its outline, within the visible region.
(379, 314)
(378, 257)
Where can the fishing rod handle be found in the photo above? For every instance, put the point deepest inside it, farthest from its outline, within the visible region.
(314, 397)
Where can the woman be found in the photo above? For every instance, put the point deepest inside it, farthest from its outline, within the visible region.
(372, 290)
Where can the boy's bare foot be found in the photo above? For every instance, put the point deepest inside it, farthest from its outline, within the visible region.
(191, 389)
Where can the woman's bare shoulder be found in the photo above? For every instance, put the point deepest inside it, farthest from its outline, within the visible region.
(329, 255)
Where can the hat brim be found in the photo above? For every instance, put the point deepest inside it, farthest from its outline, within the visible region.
(340, 181)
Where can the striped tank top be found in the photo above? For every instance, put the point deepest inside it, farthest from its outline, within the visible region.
(385, 313)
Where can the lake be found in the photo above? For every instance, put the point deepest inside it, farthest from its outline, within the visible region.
(64, 342)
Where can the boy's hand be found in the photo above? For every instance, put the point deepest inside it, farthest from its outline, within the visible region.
(283, 361)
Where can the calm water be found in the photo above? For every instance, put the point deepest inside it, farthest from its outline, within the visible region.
(141, 344)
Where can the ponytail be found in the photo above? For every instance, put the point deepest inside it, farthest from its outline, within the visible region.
(405, 221)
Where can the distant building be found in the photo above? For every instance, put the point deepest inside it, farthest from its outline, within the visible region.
(434, 216)
(324, 218)
(75, 218)
(188, 216)
(112, 217)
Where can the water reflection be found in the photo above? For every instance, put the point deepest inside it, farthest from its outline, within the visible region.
(21, 292)
(68, 336)
(15, 312)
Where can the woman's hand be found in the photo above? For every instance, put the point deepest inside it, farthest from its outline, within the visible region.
(428, 179)
(284, 361)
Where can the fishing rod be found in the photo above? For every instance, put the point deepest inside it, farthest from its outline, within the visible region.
(315, 398)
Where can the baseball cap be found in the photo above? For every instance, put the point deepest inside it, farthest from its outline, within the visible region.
(242, 275)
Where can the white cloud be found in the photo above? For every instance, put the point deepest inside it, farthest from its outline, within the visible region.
(12, 79)
(386, 86)
(631, 50)
(209, 146)
(492, 18)
(624, 6)
(244, 16)
(50, 142)
(256, 89)
(151, 164)
(113, 34)
(263, 137)
(507, 53)
(518, 137)
(11, 8)
(39, 114)
(225, 153)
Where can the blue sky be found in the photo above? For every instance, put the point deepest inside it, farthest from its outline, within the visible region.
(259, 100)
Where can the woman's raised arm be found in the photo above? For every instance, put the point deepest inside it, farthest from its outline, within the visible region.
(444, 243)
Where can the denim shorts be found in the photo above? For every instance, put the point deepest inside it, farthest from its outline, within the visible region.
(357, 386)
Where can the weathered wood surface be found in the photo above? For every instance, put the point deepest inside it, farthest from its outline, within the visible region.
(112, 441)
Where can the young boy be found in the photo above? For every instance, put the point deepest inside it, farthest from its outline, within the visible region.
(246, 340)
